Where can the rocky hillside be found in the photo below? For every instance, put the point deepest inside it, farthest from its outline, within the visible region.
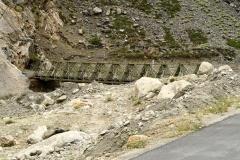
(103, 29)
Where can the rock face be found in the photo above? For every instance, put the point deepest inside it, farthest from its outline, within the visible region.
(205, 68)
(145, 85)
(170, 90)
(12, 81)
(41, 149)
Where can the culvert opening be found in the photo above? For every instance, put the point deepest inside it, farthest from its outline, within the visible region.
(37, 85)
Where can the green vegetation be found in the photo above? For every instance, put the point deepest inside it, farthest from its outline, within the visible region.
(6, 97)
(222, 105)
(137, 102)
(170, 41)
(123, 52)
(123, 22)
(188, 125)
(197, 36)
(95, 41)
(109, 98)
(109, 2)
(142, 5)
(18, 9)
(63, 17)
(37, 14)
(233, 43)
(171, 6)
(34, 58)
(9, 121)
(25, 128)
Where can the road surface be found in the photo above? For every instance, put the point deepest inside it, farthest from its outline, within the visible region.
(220, 141)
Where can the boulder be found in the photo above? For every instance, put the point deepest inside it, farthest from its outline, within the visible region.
(205, 68)
(224, 68)
(7, 141)
(137, 141)
(38, 107)
(61, 99)
(47, 100)
(76, 103)
(49, 145)
(145, 85)
(37, 136)
(172, 89)
(97, 10)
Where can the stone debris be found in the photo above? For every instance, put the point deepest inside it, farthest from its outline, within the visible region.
(7, 141)
(37, 136)
(49, 145)
(170, 90)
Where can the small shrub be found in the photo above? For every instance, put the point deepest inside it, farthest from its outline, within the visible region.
(171, 6)
(123, 52)
(25, 128)
(95, 41)
(197, 36)
(221, 106)
(188, 125)
(34, 58)
(109, 2)
(9, 121)
(137, 102)
(137, 141)
(170, 41)
(142, 5)
(19, 9)
(7, 97)
(233, 43)
(109, 98)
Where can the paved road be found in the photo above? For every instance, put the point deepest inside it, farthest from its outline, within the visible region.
(220, 141)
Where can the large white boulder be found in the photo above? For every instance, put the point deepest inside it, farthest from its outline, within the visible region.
(56, 141)
(170, 90)
(145, 85)
(205, 68)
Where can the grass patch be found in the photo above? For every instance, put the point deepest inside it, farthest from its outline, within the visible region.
(24, 128)
(123, 22)
(9, 121)
(223, 104)
(137, 102)
(109, 2)
(123, 52)
(233, 43)
(170, 41)
(109, 98)
(188, 125)
(197, 36)
(6, 97)
(170, 6)
(142, 5)
(95, 41)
